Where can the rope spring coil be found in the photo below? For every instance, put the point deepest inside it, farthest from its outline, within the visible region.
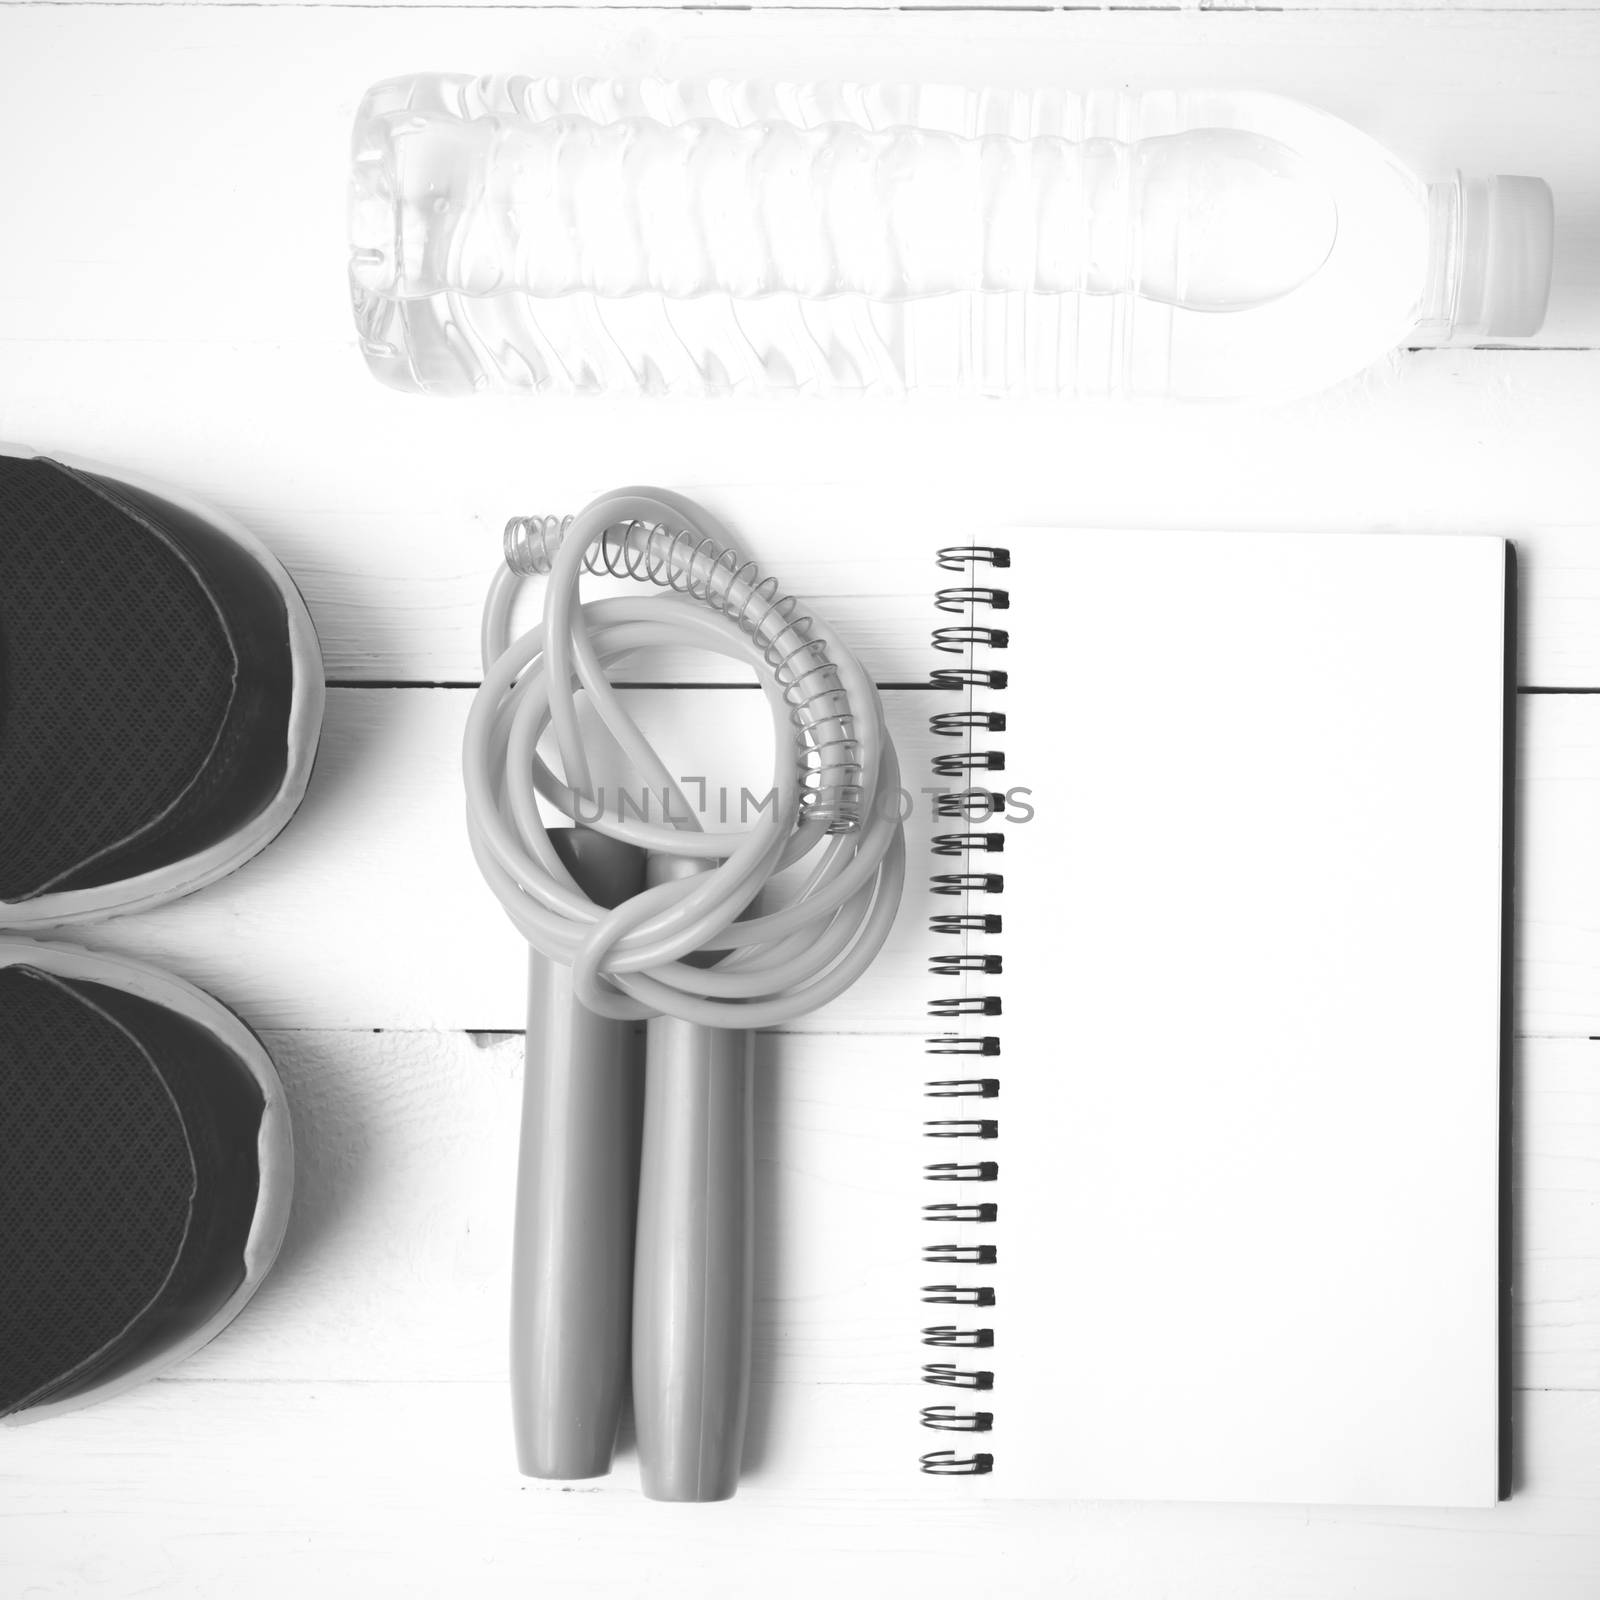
(698, 947)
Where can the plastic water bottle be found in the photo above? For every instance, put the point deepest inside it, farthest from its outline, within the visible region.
(577, 236)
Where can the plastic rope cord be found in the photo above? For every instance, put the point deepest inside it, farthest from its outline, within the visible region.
(695, 947)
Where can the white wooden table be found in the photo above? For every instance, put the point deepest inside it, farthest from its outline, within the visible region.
(172, 298)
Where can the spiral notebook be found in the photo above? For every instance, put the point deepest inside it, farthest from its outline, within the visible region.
(1216, 1138)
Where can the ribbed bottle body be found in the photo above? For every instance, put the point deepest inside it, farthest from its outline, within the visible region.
(566, 236)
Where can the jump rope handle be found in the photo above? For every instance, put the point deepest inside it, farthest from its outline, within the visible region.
(577, 1197)
(694, 1257)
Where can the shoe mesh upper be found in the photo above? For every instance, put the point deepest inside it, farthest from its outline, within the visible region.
(96, 1182)
(116, 675)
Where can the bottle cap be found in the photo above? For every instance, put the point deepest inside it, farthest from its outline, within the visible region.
(1508, 249)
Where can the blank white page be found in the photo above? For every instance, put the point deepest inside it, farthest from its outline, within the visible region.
(1248, 1189)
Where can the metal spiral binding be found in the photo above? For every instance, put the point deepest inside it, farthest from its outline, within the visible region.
(959, 600)
(966, 1338)
(972, 1005)
(705, 570)
(962, 762)
(951, 1044)
(974, 1255)
(968, 678)
(971, 805)
(952, 883)
(958, 844)
(952, 1294)
(953, 1421)
(954, 724)
(947, 1464)
(962, 1128)
(957, 558)
(957, 641)
(953, 966)
(946, 1375)
(962, 1171)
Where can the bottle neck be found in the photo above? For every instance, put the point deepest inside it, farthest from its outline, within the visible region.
(1441, 294)
(1456, 300)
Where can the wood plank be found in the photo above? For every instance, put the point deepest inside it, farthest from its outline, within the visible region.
(396, 1266)
(138, 230)
(1556, 1125)
(1393, 5)
(964, 7)
(370, 911)
(261, 1490)
(179, 309)
(390, 515)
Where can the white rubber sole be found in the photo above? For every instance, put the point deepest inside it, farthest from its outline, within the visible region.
(274, 1143)
(307, 696)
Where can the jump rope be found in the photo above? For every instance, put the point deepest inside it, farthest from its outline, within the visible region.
(656, 947)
